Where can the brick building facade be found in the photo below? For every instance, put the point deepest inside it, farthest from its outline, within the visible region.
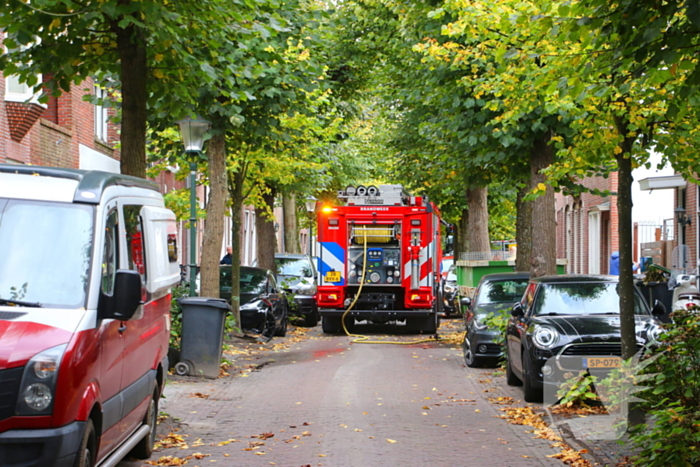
(587, 226)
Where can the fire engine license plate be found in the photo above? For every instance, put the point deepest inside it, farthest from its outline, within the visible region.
(602, 362)
(332, 276)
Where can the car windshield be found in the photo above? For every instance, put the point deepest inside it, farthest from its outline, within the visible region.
(587, 298)
(225, 276)
(45, 251)
(253, 281)
(300, 267)
(502, 291)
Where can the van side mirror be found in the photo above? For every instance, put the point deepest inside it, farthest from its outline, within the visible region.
(659, 309)
(125, 299)
(465, 301)
(517, 310)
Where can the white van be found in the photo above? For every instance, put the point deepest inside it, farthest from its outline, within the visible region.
(87, 260)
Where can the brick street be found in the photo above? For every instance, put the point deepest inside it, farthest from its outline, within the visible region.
(332, 403)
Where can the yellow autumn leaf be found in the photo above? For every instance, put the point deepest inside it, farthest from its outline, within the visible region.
(158, 74)
(541, 187)
(392, 441)
(617, 150)
(159, 57)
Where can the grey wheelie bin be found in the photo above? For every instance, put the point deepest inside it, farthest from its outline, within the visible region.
(202, 336)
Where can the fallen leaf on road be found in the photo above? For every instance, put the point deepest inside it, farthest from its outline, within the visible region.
(266, 435)
(168, 461)
(229, 441)
(172, 440)
(392, 441)
(199, 395)
(198, 442)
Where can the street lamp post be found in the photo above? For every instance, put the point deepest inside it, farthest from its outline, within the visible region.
(192, 132)
(683, 220)
(311, 208)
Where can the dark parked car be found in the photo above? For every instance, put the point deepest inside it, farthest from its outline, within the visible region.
(565, 324)
(264, 306)
(450, 294)
(495, 293)
(297, 275)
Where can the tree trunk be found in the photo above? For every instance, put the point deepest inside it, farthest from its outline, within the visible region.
(626, 288)
(523, 230)
(543, 258)
(291, 229)
(265, 229)
(131, 42)
(216, 210)
(478, 220)
(235, 191)
(624, 229)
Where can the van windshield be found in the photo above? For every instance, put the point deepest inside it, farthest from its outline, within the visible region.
(45, 251)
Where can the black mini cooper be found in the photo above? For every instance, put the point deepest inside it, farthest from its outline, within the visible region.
(567, 323)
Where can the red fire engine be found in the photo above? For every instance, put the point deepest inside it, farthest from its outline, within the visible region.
(391, 239)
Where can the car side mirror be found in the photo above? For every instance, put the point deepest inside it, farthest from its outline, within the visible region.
(125, 298)
(465, 301)
(659, 309)
(517, 310)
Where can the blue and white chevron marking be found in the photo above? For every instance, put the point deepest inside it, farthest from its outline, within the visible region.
(332, 259)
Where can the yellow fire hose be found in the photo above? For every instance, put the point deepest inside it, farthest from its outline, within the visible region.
(360, 339)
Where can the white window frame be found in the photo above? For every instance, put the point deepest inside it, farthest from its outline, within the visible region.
(101, 116)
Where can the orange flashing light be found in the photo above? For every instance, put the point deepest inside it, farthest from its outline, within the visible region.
(332, 296)
(326, 209)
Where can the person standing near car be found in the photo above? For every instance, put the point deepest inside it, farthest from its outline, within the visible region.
(227, 257)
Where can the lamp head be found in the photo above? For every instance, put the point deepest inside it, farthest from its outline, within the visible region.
(310, 204)
(193, 131)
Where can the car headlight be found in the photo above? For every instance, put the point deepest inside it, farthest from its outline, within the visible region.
(478, 325)
(545, 337)
(307, 289)
(257, 305)
(654, 334)
(38, 386)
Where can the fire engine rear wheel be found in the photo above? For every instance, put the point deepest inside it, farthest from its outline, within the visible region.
(311, 319)
(426, 325)
(331, 324)
(432, 324)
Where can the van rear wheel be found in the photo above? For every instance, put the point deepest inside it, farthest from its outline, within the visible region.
(144, 449)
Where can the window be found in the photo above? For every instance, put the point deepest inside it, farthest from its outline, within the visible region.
(16, 91)
(134, 239)
(111, 253)
(101, 114)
